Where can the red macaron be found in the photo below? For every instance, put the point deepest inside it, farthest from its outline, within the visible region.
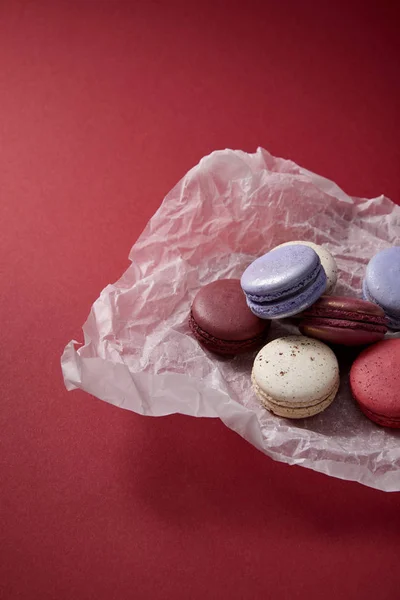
(345, 321)
(375, 382)
(222, 322)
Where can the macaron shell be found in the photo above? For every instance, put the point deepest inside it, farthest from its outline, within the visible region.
(220, 309)
(375, 381)
(291, 305)
(393, 321)
(226, 347)
(347, 334)
(382, 281)
(279, 272)
(327, 261)
(295, 412)
(346, 308)
(379, 419)
(296, 371)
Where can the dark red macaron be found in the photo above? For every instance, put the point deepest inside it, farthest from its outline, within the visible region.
(222, 322)
(345, 321)
(375, 382)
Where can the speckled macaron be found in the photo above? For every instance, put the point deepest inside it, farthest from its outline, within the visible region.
(327, 261)
(375, 382)
(295, 376)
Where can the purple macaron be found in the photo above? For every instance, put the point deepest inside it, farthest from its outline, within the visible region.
(284, 282)
(382, 284)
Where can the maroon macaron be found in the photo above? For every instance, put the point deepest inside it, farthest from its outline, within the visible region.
(345, 321)
(222, 322)
(375, 382)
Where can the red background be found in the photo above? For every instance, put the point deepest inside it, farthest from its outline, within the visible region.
(103, 107)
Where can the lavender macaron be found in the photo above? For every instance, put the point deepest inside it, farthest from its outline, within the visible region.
(284, 282)
(382, 284)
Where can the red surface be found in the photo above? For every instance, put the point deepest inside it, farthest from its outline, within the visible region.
(103, 107)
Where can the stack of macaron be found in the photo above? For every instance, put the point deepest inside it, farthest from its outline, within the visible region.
(298, 376)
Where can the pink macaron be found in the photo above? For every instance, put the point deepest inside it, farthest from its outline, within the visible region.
(375, 382)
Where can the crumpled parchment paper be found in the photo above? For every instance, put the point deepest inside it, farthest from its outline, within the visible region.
(232, 207)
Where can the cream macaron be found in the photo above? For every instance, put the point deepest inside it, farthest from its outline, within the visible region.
(295, 376)
(327, 261)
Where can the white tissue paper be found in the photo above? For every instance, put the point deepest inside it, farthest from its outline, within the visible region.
(232, 207)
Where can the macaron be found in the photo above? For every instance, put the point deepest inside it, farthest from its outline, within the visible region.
(222, 322)
(375, 382)
(382, 283)
(345, 321)
(284, 282)
(327, 261)
(295, 376)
